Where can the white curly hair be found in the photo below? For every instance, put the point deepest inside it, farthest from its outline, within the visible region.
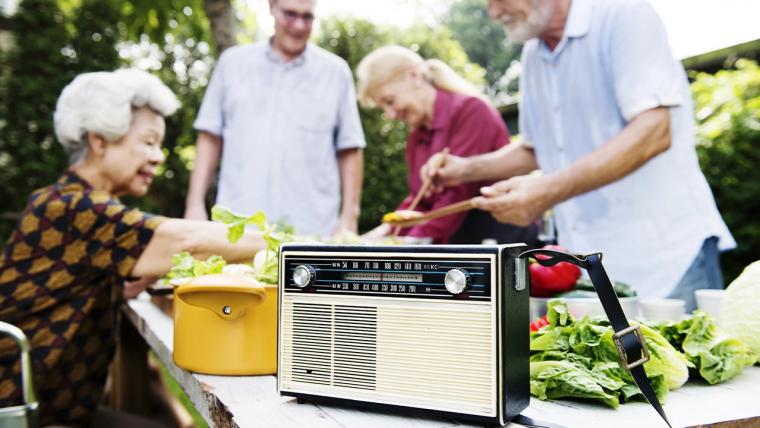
(102, 103)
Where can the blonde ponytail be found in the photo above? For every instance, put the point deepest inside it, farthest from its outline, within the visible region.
(444, 77)
(388, 62)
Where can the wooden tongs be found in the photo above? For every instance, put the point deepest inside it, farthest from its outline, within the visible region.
(407, 218)
(396, 215)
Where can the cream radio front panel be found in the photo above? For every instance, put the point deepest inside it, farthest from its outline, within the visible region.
(409, 327)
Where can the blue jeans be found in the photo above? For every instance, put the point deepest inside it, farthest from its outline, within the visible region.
(704, 272)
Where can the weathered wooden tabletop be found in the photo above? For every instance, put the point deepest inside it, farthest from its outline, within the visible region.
(252, 401)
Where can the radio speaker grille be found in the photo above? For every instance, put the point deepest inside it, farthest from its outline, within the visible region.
(414, 354)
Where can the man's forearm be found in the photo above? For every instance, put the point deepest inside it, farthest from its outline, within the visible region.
(645, 137)
(351, 166)
(208, 149)
(509, 161)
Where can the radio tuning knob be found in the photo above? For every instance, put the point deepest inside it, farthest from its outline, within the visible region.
(304, 275)
(456, 281)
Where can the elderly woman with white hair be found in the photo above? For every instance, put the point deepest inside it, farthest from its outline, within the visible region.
(63, 269)
(443, 110)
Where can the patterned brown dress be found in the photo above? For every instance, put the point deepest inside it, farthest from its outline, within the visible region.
(61, 278)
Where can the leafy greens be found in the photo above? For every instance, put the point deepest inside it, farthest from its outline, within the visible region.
(716, 356)
(578, 358)
(273, 234)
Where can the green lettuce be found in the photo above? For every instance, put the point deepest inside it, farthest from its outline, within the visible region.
(184, 265)
(716, 356)
(578, 358)
(274, 235)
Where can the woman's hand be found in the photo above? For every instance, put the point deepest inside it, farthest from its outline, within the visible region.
(453, 172)
(519, 200)
(133, 288)
(346, 226)
(377, 233)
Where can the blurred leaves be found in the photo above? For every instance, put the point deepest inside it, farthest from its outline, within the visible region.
(56, 40)
(50, 49)
(485, 43)
(728, 129)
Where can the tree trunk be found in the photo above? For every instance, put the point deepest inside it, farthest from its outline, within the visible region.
(221, 16)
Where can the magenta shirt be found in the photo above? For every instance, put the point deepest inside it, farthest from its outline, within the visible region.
(468, 126)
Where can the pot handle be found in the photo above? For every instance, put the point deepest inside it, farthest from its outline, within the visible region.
(227, 302)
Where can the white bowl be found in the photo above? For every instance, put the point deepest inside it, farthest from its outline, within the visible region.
(709, 300)
(582, 306)
(653, 309)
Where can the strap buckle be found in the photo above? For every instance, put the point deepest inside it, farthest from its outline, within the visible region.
(621, 349)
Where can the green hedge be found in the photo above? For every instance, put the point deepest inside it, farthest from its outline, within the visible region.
(55, 46)
(728, 115)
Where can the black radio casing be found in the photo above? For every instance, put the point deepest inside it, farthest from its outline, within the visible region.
(340, 339)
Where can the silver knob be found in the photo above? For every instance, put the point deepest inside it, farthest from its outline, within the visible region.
(456, 281)
(304, 275)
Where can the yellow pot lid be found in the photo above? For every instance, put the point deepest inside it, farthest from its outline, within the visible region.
(228, 296)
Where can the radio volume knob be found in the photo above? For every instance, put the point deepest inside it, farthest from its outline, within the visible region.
(304, 275)
(457, 281)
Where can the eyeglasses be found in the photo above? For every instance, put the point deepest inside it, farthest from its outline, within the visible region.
(291, 16)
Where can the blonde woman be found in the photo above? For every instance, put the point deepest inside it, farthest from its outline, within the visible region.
(443, 110)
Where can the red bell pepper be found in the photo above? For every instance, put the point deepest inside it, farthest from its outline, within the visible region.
(546, 281)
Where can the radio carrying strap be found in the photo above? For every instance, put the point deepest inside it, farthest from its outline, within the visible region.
(628, 339)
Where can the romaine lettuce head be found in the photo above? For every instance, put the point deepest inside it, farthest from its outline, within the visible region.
(588, 344)
(739, 309)
(664, 359)
(717, 356)
(558, 379)
(184, 265)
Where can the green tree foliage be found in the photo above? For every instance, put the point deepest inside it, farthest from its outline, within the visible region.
(46, 56)
(182, 59)
(484, 41)
(55, 41)
(728, 114)
(384, 164)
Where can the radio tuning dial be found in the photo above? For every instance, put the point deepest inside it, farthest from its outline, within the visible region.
(304, 275)
(457, 281)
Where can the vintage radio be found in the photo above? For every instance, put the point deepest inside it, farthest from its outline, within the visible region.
(442, 329)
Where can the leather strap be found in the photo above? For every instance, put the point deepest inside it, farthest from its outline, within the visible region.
(629, 341)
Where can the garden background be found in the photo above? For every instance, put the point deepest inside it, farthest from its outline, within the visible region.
(45, 43)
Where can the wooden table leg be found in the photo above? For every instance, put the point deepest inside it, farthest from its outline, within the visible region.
(129, 373)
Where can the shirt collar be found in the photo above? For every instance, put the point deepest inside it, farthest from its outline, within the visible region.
(577, 25)
(579, 18)
(440, 120)
(277, 59)
(70, 177)
(441, 110)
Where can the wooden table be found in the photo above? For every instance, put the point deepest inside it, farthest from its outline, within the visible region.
(252, 401)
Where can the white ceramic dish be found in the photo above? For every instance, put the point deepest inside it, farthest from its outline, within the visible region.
(709, 301)
(582, 306)
(653, 309)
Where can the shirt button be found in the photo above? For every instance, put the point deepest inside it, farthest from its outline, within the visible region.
(556, 108)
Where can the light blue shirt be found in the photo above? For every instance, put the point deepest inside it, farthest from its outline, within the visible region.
(282, 125)
(613, 63)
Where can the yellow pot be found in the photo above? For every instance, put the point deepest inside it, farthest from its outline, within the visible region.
(226, 325)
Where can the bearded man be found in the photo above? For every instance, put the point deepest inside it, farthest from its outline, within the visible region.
(607, 115)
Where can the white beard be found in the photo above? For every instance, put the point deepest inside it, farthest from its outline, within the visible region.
(533, 25)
